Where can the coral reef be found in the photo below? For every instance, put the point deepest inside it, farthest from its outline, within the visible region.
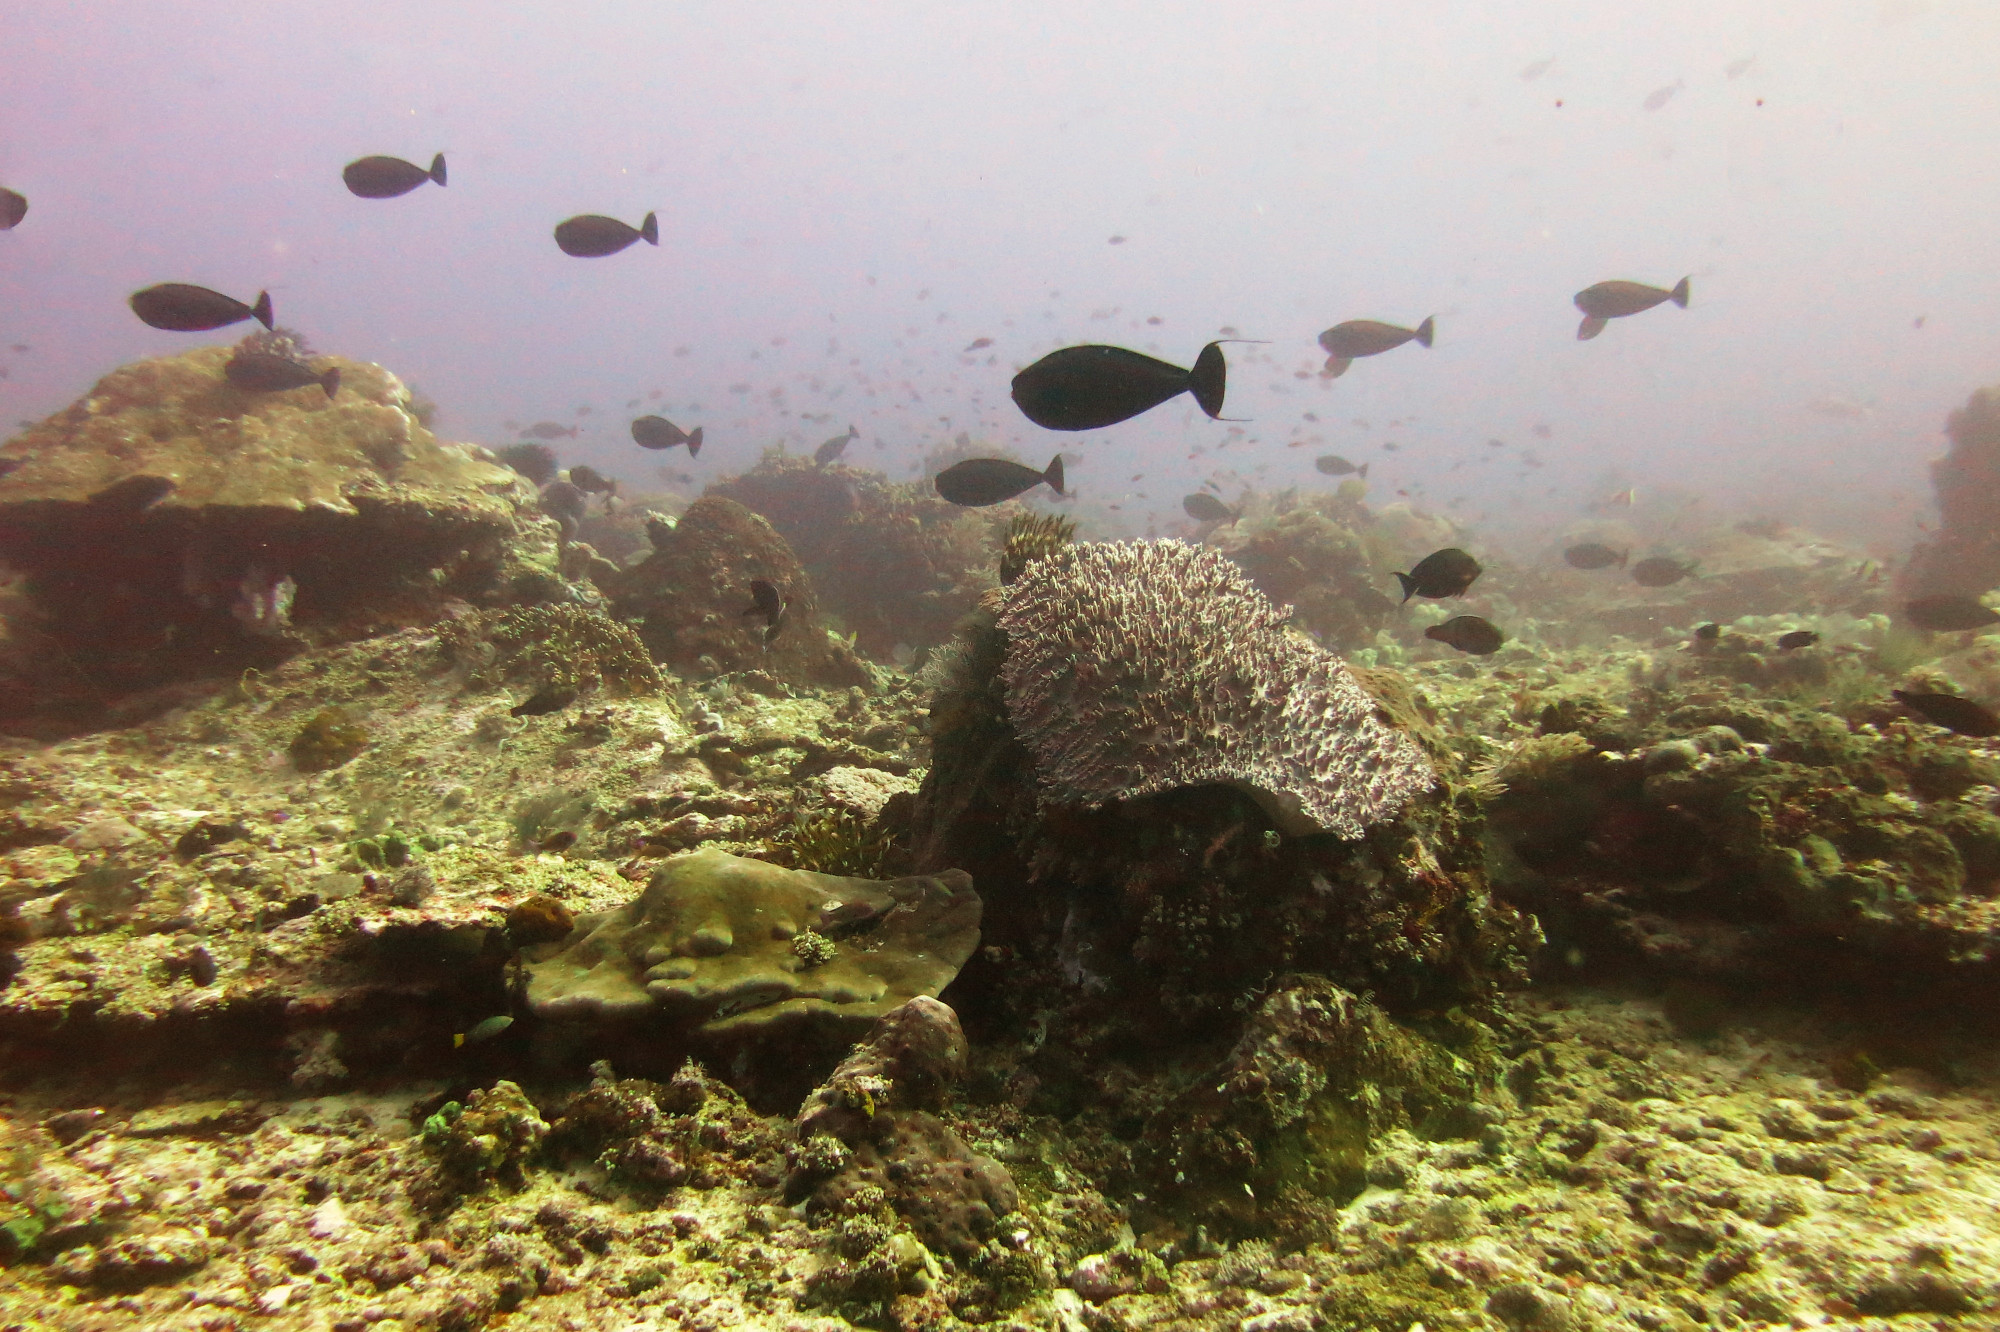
(709, 945)
(169, 525)
(1029, 537)
(563, 648)
(687, 599)
(1316, 556)
(1143, 667)
(1963, 556)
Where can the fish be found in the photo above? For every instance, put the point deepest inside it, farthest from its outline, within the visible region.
(1594, 555)
(1088, 387)
(592, 482)
(1343, 343)
(565, 503)
(551, 430)
(1442, 573)
(1614, 300)
(1206, 508)
(1738, 67)
(1467, 633)
(267, 372)
(1949, 614)
(1116, 240)
(181, 307)
(483, 1031)
(978, 482)
(13, 207)
(1535, 69)
(537, 462)
(1660, 571)
(549, 698)
(1659, 97)
(657, 432)
(387, 177)
(593, 236)
(1954, 712)
(765, 601)
(977, 344)
(1798, 638)
(831, 449)
(1334, 465)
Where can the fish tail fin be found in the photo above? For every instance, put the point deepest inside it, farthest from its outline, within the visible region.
(1589, 328)
(1336, 366)
(1409, 585)
(694, 442)
(262, 309)
(1362, 471)
(1427, 330)
(649, 230)
(330, 381)
(1680, 293)
(1209, 378)
(437, 168)
(1054, 475)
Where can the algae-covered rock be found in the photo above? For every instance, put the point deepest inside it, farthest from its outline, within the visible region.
(711, 943)
(689, 598)
(171, 525)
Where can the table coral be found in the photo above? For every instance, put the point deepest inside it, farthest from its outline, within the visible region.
(1139, 667)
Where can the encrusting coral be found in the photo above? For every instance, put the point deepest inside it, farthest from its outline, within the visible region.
(1139, 667)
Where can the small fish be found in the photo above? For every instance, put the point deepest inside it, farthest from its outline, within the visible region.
(1535, 69)
(1334, 465)
(267, 372)
(1089, 387)
(13, 207)
(1946, 615)
(830, 450)
(1798, 638)
(565, 503)
(765, 601)
(551, 430)
(978, 482)
(1659, 97)
(181, 307)
(547, 699)
(1467, 633)
(1594, 555)
(1660, 571)
(593, 236)
(591, 481)
(387, 177)
(1206, 508)
(977, 344)
(1116, 240)
(1954, 712)
(657, 432)
(1614, 300)
(1442, 573)
(484, 1031)
(1737, 68)
(1343, 343)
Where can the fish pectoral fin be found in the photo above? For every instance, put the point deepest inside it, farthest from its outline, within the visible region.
(1589, 328)
(1336, 366)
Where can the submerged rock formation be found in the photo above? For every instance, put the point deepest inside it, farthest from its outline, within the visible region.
(1963, 558)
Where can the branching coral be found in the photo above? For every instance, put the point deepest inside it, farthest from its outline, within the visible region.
(1139, 667)
(1030, 536)
(559, 647)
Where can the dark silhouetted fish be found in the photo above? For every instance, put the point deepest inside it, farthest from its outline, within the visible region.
(657, 432)
(1442, 573)
(547, 699)
(1085, 388)
(1951, 711)
(387, 177)
(1343, 343)
(977, 482)
(537, 462)
(1798, 638)
(551, 430)
(1467, 633)
(1659, 97)
(766, 601)
(13, 207)
(1660, 571)
(593, 236)
(1615, 300)
(1594, 555)
(267, 372)
(833, 448)
(977, 344)
(1335, 465)
(591, 481)
(565, 503)
(1949, 614)
(180, 307)
(1206, 508)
